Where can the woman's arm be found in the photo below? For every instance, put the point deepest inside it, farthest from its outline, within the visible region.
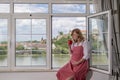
(86, 50)
(70, 51)
(78, 62)
(70, 43)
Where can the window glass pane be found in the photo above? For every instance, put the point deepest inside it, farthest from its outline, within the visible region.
(31, 8)
(3, 26)
(39, 49)
(98, 31)
(3, 42)
(61, 28)
(23, 26)
(4, 8)
(23, 50)
(3, 50)
(92, 8)
(38, 26)
(69, 8)
(31, 47)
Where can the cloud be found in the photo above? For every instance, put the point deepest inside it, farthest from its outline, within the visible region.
(38, 26)
(29, 37)
(66, 24)
(4, 8)
(38, 37)
(69, 8)
(23, 37)
(31, 8)
(3, 26)
(24, 26)
(3, 38)
(43, 8)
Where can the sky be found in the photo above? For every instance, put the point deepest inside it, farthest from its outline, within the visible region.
(4, 8)
(37, 27)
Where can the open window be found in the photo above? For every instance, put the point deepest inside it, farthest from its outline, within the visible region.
(99, 34)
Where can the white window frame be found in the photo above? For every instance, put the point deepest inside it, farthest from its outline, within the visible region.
(109, 41)
(25, 16)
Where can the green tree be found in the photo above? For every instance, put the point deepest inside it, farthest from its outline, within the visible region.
(4, 42)
(35, 41)
(60, 33)
(3, 50)
(20, 47)
(61, 45)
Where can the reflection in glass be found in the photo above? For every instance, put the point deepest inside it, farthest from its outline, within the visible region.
(99, 42)
(31, 42)
(31, 8)
(4, 8)
(61, 29)
(3, 58)
(69, 8)
(98, 35)
(23, 58)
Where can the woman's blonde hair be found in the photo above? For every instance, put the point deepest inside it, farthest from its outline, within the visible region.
(78, 31)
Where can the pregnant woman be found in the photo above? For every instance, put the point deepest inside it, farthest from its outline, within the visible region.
(77, 68)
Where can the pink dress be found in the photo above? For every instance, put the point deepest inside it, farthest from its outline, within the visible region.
(79, 72)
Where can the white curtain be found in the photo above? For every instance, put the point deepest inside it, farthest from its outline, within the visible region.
(104, 5)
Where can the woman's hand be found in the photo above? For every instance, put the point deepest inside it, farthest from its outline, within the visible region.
(75, 63)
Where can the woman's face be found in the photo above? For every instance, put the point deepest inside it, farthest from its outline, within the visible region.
(75, 36)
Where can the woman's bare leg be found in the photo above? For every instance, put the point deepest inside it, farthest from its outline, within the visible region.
(70, 78)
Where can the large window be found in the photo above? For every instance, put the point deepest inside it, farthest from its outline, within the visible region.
(38, 32)
(61, 29)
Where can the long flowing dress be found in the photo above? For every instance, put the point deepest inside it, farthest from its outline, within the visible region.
(79, 71)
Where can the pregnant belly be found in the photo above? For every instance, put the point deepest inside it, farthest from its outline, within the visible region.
(75, 59)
